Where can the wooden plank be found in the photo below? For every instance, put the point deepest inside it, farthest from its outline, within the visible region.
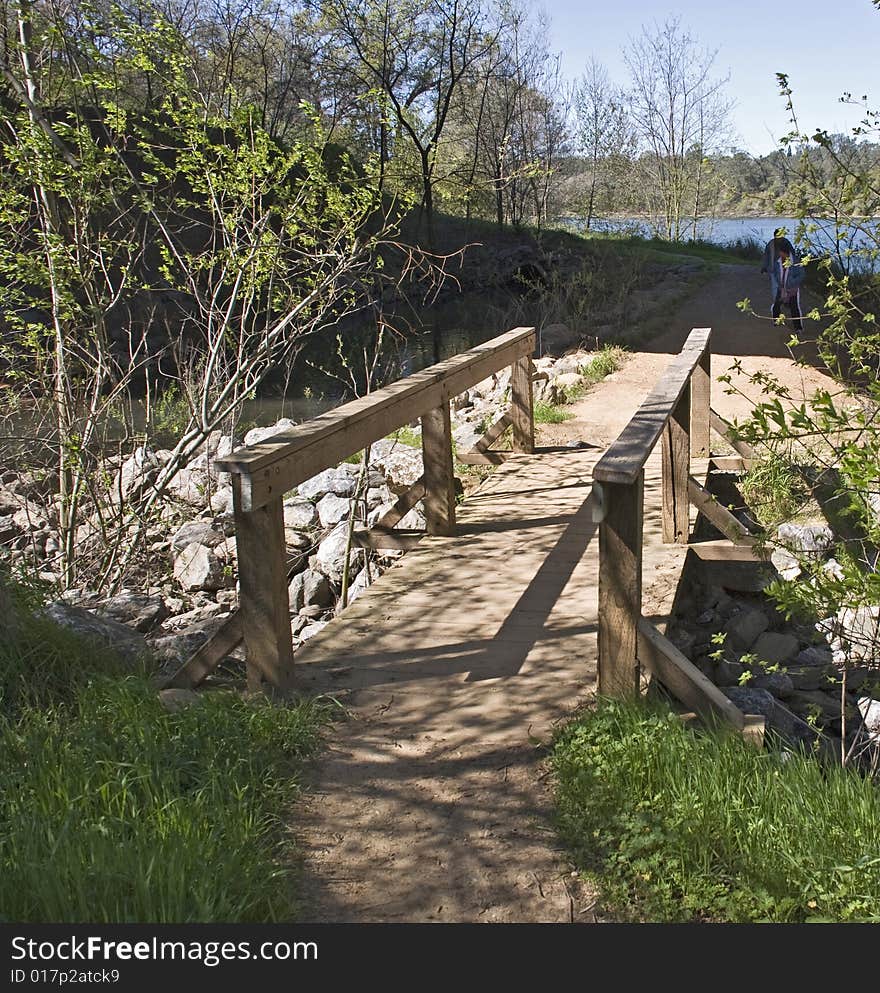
(626, 457)
(522, 406)
(683, 679)
(378, 539)
(620, 587)
(730, 463)
(206, 659)
(265, 605)
(676, 456)
(278, 464)
(701, 400)
(483, 458)
(724, 428)
(724, 550)
(718, 515)
(403, 505)
(494, 433)
(439, 475)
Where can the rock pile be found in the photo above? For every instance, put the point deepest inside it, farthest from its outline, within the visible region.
(190, 585)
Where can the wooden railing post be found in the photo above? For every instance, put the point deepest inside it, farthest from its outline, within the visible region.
(701, 403)
(522, 406)
(676, 456)
(620, 586)
(439, 477)
(265, 605)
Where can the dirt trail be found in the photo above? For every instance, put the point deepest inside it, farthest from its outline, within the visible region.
(479, 805)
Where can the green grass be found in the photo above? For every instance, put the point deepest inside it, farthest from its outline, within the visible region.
(114, 810)
(678, 825)
(774, 491)
(550, 413)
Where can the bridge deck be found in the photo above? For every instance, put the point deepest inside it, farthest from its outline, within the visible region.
(452, 664)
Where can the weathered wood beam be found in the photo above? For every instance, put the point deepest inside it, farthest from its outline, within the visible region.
(522, 406)
(380, 539)
(676, 460)
(620, 587)
(206, 659)
(724, 550)
(718, 515)
(683, 679)
(439, 474)
(724, 428)
(276, 465)
(701, 400)
(626, 457)
(265, 604)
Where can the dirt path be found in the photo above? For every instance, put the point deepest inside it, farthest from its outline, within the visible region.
(438, 808)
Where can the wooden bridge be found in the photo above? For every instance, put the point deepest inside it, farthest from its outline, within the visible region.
(511, 583)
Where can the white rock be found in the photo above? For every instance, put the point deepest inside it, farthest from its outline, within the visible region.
(860, 630)
(256, 435)
(196, 532)
(299, 513)
(340, 481)
(196, 567)
(221, 501)
(870, 711)
(330, 558)
(332, 509)
(190, 486)
(310, 630)
(808, 539)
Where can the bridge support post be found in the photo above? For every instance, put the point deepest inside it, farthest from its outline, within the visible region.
(265, 605)
(676, 457)
(620, 587)
(439, 477)
(521, 405)
(701, 403)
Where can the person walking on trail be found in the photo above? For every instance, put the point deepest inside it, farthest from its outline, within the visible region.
(787, 274)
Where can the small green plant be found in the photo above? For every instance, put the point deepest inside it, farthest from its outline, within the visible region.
(407, 436)
(608, 360)
(773, 490)
(550, 413)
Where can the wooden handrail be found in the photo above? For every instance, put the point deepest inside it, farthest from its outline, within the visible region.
(263, 473)
(283, 461)
(626, 458)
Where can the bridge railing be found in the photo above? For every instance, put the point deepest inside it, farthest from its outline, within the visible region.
(678, 413)
(263, 473)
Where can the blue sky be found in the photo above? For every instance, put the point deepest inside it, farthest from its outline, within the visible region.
(825, 47)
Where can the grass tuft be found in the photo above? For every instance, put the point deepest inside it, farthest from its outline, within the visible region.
(114, 810)
(681, 825)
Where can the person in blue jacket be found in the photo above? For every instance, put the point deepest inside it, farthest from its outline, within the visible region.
(787, 274)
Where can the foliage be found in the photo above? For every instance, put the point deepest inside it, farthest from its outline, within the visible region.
(680, 825)
(773, 489)
(114, 810)
(550, 413)
(832, 437)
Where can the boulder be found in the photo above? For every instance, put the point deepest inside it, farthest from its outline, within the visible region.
(221, 501)
(296, 592)
(137, 610)
(196, 532)
(299, 513)
(137, 472)
(785, 563)
(568, 380)
(860, 630)
(330, 558)
(174, 648)
(316, 590)
(190, 486)
(814, 655)
(340, 481)
(196, 567)
(400, 464)
(869, 708)
(744, 628)
(175, 699)
(809, 540)
(127, 643)
(332, 509)
(779, 718)
(777, 683)
(310, 630)
(773, 647)
(256, 435)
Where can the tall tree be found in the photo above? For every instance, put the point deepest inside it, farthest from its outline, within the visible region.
(680, 114)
